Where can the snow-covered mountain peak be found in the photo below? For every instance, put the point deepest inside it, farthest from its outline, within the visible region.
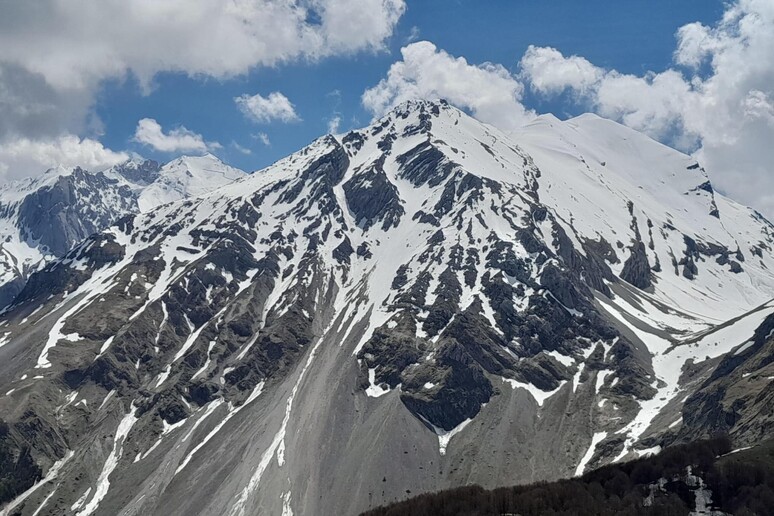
(187, 176)
(14, 191)
(59, 170)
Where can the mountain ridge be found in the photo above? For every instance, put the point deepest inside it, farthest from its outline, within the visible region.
(425, 285)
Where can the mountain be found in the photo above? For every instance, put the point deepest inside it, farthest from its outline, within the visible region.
(424, 303)
(42, 218)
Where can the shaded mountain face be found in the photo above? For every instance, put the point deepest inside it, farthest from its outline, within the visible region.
(43, 218)
(423, 303)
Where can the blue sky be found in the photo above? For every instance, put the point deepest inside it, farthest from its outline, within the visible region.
(630, 36)
(92, 82)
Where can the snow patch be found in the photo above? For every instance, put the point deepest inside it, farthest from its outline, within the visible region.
(374, 390)
(597, 438)
(539, 395)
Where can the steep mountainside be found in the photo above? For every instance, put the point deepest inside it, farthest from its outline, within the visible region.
(423, 303)
(42, 218)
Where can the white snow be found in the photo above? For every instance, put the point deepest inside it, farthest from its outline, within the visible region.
(238, 509)
(601, 376)
(562, 359)
(207, 411)
(744, 347)
(286, 509)
(597, 438)
(444, 437)
(207, 362)
(592, 173)
(655, 450)
(737, 450)
(45, 501)
(106, 345)
(373, 389)
(104, 401)
(80, 501)
(539, 395)
(668, 361)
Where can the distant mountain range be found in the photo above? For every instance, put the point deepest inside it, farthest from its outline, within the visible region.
(42, 218)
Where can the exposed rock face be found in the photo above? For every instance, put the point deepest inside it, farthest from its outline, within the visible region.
(387, 306)
(373, 198)
(71, 209)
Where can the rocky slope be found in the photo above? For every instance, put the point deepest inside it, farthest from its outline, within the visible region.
(423, 303)
(42, 218)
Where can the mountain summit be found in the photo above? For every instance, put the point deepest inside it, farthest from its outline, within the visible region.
(423, 303)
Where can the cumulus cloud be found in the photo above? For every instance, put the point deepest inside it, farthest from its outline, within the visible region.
(488, 90)
(31, 108)
(718, 99)
(549, 72)
(651, 103)
(20, 155)
(180, 139)
(54, 55)
(275, 106)
(67, 43)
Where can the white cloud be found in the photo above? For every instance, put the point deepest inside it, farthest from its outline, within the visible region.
(333, 124)
(263, 138)
(55, 55)
(67, 42)
(349, 25)
(718, 100)
(266, 109)
(488, 90)
(21, 157)
(651, 103)
(149, 132)
(759, 105)
(549, 72)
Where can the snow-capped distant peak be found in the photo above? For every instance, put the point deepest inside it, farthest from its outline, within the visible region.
(43, 216)
(187, 176)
